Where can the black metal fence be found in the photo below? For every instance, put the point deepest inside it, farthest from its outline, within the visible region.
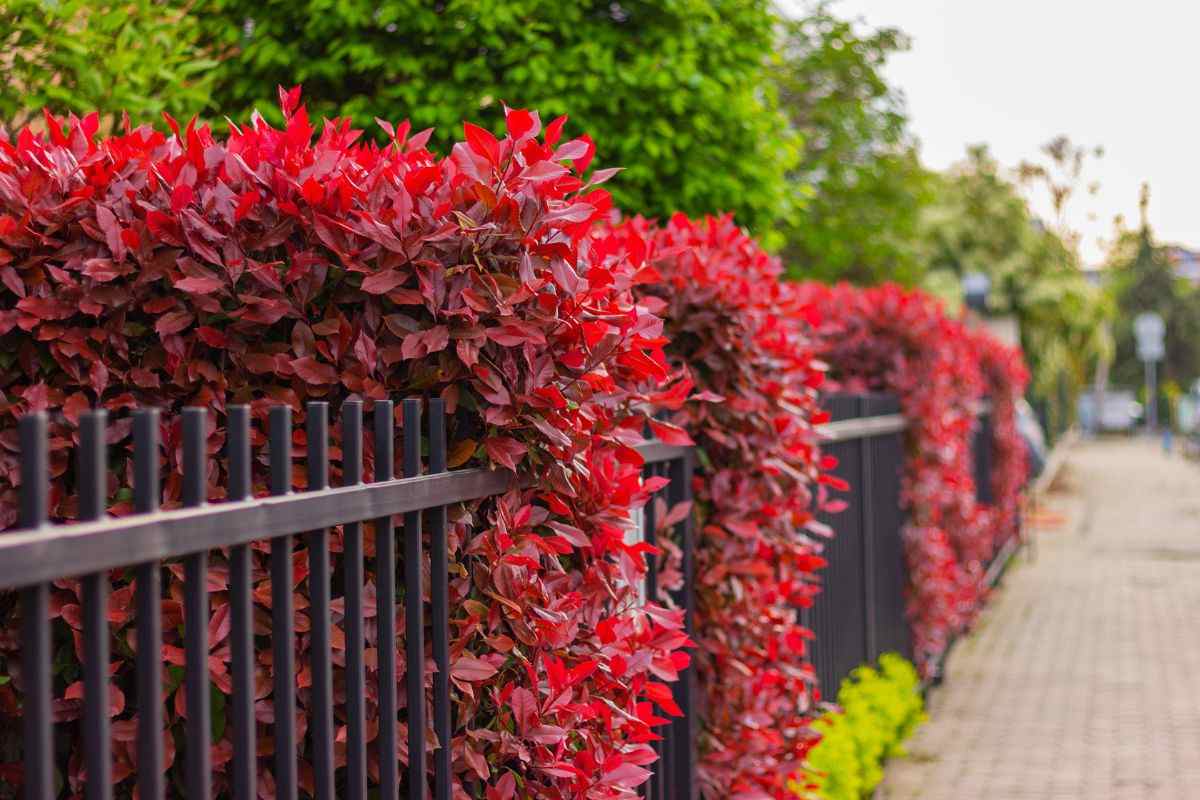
(858, 616)
(860, 611)
(39, 553)
(675, 776)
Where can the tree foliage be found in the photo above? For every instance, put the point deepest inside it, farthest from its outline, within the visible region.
(137, 56)
(859, 183)
(1142, 278)
(980, 223)
(674, 90)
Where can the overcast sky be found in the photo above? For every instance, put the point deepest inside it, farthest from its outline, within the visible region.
(1015, 73)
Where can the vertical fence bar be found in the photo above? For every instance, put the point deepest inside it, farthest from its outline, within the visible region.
(93, 491)
(669, 782)
(865, 492)
(414, 617)
(654, 786)
(439, 598)
(356, 711)
(243, 778)
(684, 785)
(320, 652)
(385, 605)
(148, 577)
(282, 622)
(35, 616)
(197, 754)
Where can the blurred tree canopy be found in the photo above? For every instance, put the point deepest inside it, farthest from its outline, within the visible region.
(1141, 277)
(979, 222)
(139, 56)
(859, 184)
(675, 91)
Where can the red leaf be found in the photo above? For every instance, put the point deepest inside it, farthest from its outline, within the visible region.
(312, 371)
(199, 285)
(483, 143)
(512, 334)
(470, 668)
(670, 434)
(383, 282)
(173, 322)
(505, 451)
(554, 130)
(313, 192)
(543, 171)
(181, 197)
(521, 124)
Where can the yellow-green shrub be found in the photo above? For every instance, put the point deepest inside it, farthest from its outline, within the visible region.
(879, 709)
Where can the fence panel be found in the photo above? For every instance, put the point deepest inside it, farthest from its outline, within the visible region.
(891, 633)
(675, 777)
(981, 447)
(860, 611)
(838, 615)
(152, 540)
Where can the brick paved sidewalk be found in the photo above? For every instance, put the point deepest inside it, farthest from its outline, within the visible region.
(1082, 679)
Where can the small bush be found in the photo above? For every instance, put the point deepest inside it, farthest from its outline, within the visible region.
(878, 711)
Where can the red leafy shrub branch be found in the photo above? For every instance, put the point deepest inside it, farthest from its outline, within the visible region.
(739, 334)
(268, 266)
(894, 340)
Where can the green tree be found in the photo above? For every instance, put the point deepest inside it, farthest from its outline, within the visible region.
(673, 90)
(1142, 278)
(980, 223)
(859, 185)
(139, 56)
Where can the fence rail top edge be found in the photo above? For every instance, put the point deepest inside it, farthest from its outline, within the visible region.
(863, 427)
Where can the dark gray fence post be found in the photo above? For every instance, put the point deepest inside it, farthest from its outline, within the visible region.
(93, 489)
(148, 576)
(35, 617)
(981, 447)
(684, 734)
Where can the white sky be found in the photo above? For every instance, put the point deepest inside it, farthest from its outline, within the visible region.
(1015, 73)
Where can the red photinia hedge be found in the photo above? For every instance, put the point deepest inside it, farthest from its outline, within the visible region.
(890, 339)
(268, 266)
(740, 335)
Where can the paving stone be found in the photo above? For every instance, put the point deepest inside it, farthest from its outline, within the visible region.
(1081, 680)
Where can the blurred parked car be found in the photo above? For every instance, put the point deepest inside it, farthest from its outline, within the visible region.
(1033, 436)
(1119, 411)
